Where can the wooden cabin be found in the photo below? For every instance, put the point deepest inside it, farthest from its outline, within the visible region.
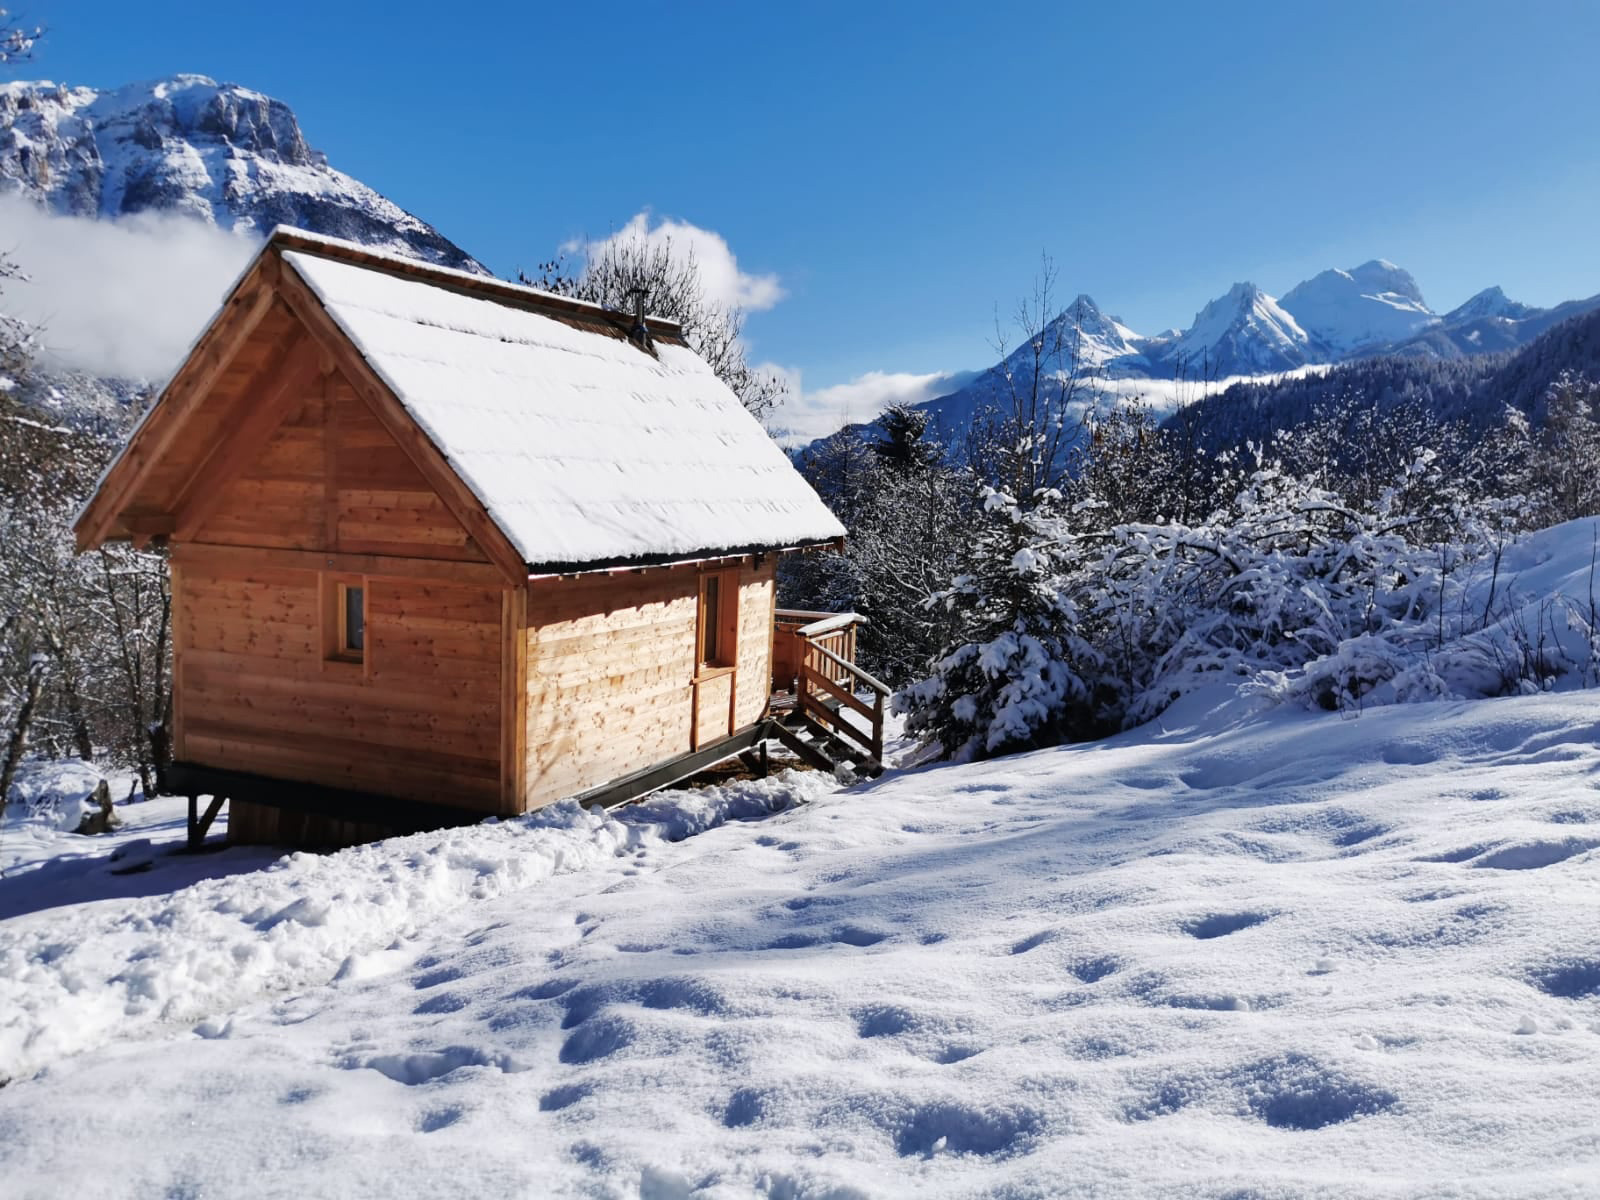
(443, 547)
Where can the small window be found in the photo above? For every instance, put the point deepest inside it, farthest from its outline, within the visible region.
(343, 601)
(710, 619)
(352, 621)
(719, 610)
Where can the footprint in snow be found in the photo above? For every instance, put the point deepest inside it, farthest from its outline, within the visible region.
(1217, 925)
(436, 1119)
(1571, 980)
(1530, 856)
(428, 1065)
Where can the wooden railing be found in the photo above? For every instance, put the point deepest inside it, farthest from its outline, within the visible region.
(796, 629)
(842, 681)
(814, 658)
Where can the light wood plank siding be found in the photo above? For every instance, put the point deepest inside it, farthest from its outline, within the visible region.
(611, 664)
(331, 478)
(422, 720)
(753, 687)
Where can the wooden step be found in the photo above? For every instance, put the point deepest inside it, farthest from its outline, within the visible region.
(802, 746)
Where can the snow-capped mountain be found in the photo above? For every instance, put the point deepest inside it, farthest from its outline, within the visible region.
(218, 152)
(1372, 305)
(1336, 316)
(1245, 332)
(1101, 341)
(1082, 342)
(1488, 323)
(1491, 303)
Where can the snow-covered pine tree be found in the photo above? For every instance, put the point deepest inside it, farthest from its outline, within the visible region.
(1013, 676)
(1012, 673)
(1566, 471)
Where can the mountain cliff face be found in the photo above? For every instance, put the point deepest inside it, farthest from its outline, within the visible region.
(1245, 332)
(188, 145)
(1365, 307)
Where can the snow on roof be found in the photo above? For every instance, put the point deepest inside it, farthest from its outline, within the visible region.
(586, 450)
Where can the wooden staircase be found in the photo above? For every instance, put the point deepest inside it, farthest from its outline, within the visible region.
(827, 723)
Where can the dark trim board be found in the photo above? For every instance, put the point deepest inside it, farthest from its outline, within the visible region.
(664, 774)
(344, 804)
(414, 816)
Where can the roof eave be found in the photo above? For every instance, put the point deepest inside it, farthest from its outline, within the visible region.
(557, 570)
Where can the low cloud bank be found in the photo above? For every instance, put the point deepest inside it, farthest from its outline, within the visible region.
(123, 297)
(808, 415)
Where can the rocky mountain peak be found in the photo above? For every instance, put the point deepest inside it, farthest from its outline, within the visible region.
(218, 152)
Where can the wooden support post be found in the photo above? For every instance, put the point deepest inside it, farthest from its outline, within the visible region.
(755, 760)
(877, 726)
(198, 823)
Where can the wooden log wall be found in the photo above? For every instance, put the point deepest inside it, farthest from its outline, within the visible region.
(472, 691)
(331, 478)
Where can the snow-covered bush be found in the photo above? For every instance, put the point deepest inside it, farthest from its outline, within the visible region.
(1014, 676)
(1286, 574)
(1067, 629)
(54, 793)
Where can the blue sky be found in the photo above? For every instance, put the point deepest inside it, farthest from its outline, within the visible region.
(900, 168)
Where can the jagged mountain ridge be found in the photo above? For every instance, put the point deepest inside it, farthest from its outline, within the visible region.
(1476, 390)
(1245, 332)
(1338, 316)
(220, 153)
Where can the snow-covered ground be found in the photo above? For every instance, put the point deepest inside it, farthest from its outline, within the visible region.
(1226, 954)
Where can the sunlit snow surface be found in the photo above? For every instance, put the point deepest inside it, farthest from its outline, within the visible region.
(1283, 954)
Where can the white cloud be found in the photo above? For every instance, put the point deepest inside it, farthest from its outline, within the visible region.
(806, 416)
(724, 283)
(120, 297)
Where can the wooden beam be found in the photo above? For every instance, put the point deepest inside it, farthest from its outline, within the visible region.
(246, 559)
(802, 749)
(817, 679)
(513, 699)
(392, 414)
(228, 331)
(663, 774)
(833, 723)
(575, 312)
(194, 779)
(199, 824)
(264, 406)
(148, 524)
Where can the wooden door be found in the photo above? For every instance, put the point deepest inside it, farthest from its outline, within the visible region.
(715, 656)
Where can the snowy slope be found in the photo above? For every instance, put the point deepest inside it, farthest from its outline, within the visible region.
(1238, 951)
(221, 153)
(1291, 955)
(1374, 304)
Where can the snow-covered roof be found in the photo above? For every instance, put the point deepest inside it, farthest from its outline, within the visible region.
(586, 449)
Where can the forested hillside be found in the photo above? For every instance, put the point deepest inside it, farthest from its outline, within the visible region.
(1475, 390)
